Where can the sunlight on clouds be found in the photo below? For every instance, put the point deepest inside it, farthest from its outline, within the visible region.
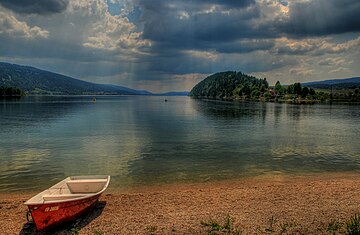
(284, 9)
(334, 61)
(284, 45)
(314, 45)
(87, 8)
(339, 70)
(173, 82)
(189, 80)
(302, 70)
(108, 32)
(341, 47)
(202, 54)
(13, 27)
(183, 15)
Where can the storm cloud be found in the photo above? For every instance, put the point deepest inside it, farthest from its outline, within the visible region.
(164, 45)
(41, 7)
(322, 17)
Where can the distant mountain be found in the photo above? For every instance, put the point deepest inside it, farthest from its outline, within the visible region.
(174, 93)
(37, 81)
(335, 83)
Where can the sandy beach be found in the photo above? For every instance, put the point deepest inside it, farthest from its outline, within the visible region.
(268, 204)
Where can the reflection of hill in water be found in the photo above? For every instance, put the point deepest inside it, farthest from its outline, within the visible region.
(38, 111)
(230, 110)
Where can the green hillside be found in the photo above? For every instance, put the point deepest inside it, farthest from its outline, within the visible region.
(239, 86)
(230, 85)
(35, 81)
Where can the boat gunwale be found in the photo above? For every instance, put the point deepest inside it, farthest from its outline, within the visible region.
(89, 195)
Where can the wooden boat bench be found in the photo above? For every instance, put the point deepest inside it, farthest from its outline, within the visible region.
(56, 197)
(86, 185)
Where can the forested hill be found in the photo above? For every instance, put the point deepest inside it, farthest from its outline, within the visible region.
(229, 85)
(344, 83)
(36, 81)
(239, 86)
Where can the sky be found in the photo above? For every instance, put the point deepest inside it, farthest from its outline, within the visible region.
(171, 45)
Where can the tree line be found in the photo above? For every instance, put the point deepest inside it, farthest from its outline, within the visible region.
(239, 86)
(11, 92)
(295, 91)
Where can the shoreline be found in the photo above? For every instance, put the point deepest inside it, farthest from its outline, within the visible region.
(309, 203)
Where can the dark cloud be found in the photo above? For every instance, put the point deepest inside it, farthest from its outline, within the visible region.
(158, 5)
(166, 26)
(42, 48)
(245, 46)
(198, 26)
(322, 17)
(182, 36)
(41, 7)
(229, 3)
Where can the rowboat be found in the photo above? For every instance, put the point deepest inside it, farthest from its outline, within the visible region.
(66, 200)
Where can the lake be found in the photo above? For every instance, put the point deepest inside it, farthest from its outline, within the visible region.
(142, 140)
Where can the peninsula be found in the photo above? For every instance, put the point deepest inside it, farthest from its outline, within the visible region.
(232, 85)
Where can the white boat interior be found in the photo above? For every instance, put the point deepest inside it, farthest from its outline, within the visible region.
(72, 188)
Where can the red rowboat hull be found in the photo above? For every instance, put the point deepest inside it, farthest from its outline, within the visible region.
(51, 214)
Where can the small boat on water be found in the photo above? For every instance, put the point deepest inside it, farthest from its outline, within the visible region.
(66, 200)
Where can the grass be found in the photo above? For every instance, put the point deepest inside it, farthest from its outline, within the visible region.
(273, 226)
(98, 232)
(353, 225)
(151, 230)
(334, 227)
(212, 227)
(74, 231)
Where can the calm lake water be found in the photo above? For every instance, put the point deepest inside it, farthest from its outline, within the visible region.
(141, 140)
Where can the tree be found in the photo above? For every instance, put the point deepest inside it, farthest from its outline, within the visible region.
(262, 88)
(10, 91)
(267, 96)
(278, 88)
(297, 88)
(265, 83)
(255, 93)
(290, 89)
(304, 92)
(312, 92)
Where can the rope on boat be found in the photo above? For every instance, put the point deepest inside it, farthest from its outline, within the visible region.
(28, 216)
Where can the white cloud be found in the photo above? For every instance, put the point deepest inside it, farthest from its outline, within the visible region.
(333, 61)
(303, 71)
(314, 46)
(339, 70)
(206, 55)
(183, 15)
(103, 31)
(12, 27)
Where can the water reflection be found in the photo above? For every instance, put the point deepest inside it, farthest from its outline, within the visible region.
(144, 140)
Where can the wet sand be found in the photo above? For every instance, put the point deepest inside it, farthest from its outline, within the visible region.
(299, 204)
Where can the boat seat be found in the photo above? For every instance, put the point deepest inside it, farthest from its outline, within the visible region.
(87, 181)
(86, 185)
(56, 197)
